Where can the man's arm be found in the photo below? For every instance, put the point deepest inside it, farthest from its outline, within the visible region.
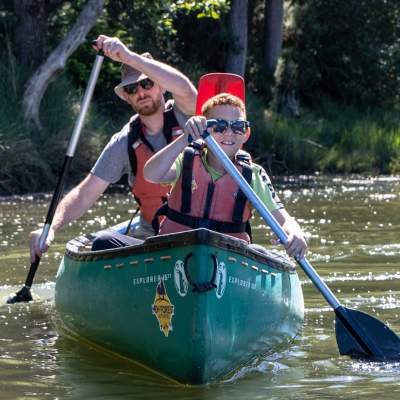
(169, 78)
(71, 207)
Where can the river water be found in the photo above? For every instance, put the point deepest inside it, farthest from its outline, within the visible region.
(353, 226)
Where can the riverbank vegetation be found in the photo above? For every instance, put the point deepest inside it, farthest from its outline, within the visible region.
(322, 95)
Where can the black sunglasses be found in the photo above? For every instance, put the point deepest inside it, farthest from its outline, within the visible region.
(238, 126)
(132, 88)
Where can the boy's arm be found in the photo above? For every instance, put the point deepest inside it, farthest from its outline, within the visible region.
(160, 168)
(261, 183)
(296, 245)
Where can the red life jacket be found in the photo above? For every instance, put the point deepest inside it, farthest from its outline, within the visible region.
(220, 206)
(149, 196)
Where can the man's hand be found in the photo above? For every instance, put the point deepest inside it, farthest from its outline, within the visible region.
(112, 48)
(34, 244)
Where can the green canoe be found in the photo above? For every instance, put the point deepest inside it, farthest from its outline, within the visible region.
(193, 306)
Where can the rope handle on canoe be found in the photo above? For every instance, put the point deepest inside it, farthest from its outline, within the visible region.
(201, 287)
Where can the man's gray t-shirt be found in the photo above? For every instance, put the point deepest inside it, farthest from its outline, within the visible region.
(113, 162)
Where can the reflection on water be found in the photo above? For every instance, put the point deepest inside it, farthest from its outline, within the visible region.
(353, 225)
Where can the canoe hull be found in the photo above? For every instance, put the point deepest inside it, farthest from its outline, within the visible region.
(139, 302)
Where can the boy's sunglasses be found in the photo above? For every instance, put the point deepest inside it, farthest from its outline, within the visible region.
(132, 88)
(238, 126)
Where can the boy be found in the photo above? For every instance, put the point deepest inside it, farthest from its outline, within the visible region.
(203, 194)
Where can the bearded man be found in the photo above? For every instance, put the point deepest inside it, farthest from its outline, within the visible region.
(155, 124)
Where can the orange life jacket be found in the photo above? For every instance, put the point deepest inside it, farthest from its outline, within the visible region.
(197, 201)
(149, 196)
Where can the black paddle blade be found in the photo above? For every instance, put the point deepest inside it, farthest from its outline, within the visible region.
(22, 296)
(360, 335)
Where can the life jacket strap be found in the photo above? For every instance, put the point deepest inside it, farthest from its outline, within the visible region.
(187, 167)
(241, 198)
(135, 133)
(196, 222)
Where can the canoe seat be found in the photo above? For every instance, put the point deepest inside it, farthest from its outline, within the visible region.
(109, 239)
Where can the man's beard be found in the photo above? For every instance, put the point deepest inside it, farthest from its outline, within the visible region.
(149, 108)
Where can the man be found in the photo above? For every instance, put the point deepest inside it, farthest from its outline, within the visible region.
(144, 81)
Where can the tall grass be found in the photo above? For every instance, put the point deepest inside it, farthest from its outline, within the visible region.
(331, 139)
(30, 159)
(11, 88)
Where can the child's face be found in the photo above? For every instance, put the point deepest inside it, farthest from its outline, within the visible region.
(229, 141)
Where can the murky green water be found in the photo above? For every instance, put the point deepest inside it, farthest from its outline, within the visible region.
(354, 229)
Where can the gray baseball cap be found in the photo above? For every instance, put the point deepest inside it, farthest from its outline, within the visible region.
(130, 75)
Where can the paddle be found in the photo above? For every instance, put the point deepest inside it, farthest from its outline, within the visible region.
(24, 294)
(357, 333)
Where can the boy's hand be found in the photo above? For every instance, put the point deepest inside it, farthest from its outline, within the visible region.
(112, 47)
(195, 126)
(296, 246)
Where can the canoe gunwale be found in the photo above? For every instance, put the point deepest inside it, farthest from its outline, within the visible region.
(182, 239)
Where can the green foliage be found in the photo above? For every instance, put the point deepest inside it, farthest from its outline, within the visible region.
(147, 25)
(208, 51)
(341, 58)
(30, 160)
(203, 9)
(331, 138)
(11, 87)
(348, 50)
(18, 154)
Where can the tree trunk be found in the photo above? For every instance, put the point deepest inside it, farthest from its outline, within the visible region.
(273, 34)
(31, 31)
(237, 53)
(39, 81)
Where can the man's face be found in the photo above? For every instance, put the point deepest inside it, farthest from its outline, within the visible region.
(145, 101)
(230, 141)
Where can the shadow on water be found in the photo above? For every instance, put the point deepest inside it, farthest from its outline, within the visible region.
(38, 360)
(353, 225)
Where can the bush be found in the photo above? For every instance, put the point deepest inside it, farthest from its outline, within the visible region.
(346, 50)
(31, 160)
(331, 138)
